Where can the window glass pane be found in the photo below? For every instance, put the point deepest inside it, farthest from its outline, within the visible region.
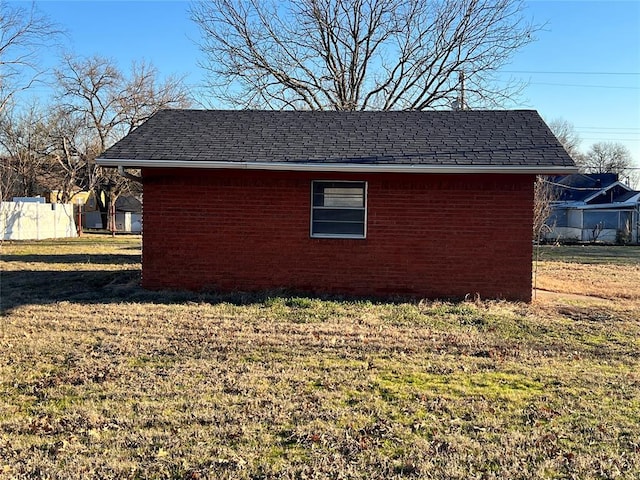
(338, 194)
(333, 228)
(602, 219)
(558, 218)
(318, 199)
(338, 215)
(343, 197)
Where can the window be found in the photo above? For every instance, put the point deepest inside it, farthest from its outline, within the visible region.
(338, 209)
(595, 218)
(559, 218)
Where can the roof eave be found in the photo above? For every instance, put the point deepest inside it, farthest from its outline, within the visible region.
(605, 189)
(611, 206)
(340, 167)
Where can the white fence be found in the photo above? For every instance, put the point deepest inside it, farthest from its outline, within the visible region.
(36, 221)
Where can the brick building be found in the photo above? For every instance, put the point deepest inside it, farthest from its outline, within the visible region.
(422, 204)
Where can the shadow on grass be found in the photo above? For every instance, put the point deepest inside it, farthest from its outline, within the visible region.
(27, 287)
(82, 258)
(40, 287)
(592, 254)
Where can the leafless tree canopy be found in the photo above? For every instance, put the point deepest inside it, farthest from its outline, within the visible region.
(99, 104)
(544, 196)
(601, 157)
(611, 157)
(24, 33)
(22, 141)
(606, 157)
(566, 134)
(359, 54)
(111, 104)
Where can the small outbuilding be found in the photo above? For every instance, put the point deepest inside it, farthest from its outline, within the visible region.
(424, 204)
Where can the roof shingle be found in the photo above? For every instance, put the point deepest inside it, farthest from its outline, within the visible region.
(472, 137)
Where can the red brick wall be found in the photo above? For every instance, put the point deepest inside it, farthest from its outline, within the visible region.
(427, 235)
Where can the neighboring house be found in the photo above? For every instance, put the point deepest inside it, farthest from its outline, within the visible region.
(129, 214)
(594, 208)
(422, 204)
(128, 211)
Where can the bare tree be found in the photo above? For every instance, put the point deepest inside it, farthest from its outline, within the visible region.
(143, 95)
(22, 141)
(24, 35)
(89, 89)
(566, 134)
(544, 196)
(105, 104)
(111, 103)
(8, 179)
(359, 54)
(69, 153)
(609, 157)
(606, 157)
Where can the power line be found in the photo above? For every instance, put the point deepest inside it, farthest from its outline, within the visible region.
(612, 139)
(608, 133)
(569, 187)
(603, 132)
(569, 73)
(608, 128)
(584, 86)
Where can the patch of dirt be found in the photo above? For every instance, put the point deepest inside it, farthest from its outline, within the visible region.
(582, 307)
(547, 296)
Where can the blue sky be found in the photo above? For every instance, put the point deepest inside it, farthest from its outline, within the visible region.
(584, 67)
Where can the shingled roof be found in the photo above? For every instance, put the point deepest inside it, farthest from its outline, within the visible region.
(448, 141)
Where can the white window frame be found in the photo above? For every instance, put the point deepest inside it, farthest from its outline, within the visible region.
(364, 208)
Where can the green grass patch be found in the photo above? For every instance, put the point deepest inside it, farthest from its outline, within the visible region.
(499, 386)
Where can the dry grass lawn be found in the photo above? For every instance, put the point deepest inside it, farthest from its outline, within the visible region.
(101, 379)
